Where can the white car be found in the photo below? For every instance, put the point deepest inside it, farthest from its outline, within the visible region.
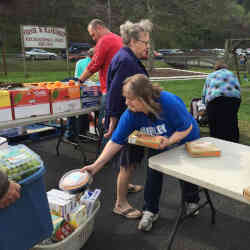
(40, 54)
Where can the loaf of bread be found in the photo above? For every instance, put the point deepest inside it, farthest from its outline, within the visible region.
(199, 148)
(246, 193)
(144, 140)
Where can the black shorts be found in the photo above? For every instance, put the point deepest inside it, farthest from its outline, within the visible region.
(129, 155)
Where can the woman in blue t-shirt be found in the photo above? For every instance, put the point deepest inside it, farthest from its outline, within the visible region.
(158, 113)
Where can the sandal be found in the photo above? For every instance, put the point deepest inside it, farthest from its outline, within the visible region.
(134, 188)
(129, 213)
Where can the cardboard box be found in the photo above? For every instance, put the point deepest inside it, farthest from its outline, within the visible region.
(144, 140)
(199, 148)
(5, 106)
(28, 102)
(66, 98)
(61, 203)
(90, 199)
(246, 193)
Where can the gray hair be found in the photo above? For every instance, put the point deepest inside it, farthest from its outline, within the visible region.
(95, 22)
(220, 64)
(130, 30)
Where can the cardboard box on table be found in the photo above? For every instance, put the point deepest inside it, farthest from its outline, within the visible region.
(5, 106)
(65, 98)
(90, 94)
(28, 102)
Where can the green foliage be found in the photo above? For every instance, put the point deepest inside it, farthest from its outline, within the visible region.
(177, 23)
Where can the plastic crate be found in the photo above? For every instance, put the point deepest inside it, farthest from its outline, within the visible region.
(77, 239)
(27, 221)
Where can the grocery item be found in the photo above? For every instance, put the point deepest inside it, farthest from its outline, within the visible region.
(145, 140)
(199, 148)
(90, 198)
(19, 161)
(63, 231)
(56, 221)
(75, 181)
(5, 106)
(78, 216)
(62, 203)
(28, 102)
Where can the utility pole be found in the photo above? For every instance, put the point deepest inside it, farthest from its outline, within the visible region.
(109, 13)
(2, 45)
(150, 61)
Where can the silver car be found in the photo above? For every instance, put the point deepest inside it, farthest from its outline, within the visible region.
(36, 54)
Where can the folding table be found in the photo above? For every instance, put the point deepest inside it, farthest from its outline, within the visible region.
(227, 174)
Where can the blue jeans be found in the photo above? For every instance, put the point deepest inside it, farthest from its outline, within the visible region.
(153, 188)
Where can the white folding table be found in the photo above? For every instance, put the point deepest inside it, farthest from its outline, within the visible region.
(51, 117)
(226, 175)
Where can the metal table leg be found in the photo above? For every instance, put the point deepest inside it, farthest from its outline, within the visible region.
(182, 213)
(62, 131)
(77, 145)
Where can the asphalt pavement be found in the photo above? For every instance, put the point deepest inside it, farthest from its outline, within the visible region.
(113, 232)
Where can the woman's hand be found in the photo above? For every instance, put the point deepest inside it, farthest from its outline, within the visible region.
(164, 141)
(11, 196)
(92, 169)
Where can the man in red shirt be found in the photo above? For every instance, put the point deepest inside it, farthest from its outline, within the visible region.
(107, 44)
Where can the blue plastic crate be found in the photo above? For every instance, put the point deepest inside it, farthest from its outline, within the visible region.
(27, 221)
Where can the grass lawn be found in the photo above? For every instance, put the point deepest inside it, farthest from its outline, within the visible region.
(186, 89)
(189, 89)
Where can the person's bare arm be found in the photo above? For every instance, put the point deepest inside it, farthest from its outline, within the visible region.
(108, 152)
(112, 125)
(85, 75)
(174, 138)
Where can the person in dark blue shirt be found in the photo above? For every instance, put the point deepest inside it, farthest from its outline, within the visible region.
(124, 64)
(161, 114)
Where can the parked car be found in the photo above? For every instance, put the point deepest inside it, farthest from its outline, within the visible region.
(36, 54)
(77, 51)
(165, 51)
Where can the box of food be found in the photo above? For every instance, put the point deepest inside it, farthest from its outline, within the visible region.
(62, 203)
(65, 98)
(5, 106)
(246, 193)
(199, 148)
(28, 102)
(145, 140)
(90, 94)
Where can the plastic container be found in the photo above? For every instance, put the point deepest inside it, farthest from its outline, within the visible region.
(27, 221)
(77, 239)
(19, 161)
(75, 181)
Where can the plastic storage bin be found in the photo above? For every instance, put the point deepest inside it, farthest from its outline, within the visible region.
(27, 221)
(77, 239)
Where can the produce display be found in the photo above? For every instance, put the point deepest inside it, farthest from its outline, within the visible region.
(19, 162)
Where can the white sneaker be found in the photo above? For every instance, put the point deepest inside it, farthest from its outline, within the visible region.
(190, 207)
(147, 220)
